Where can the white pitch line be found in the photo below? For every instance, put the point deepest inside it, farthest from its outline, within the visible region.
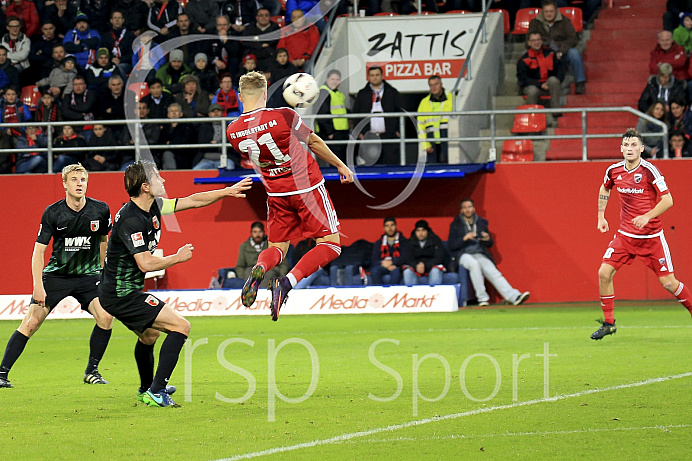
(420, 422)
(522, 434)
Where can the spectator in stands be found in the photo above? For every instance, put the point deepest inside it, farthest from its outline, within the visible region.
(227, 98)
(212, 133)
(48, 110)
(201, 14)
(163, 15)
(119, 40)
(249, 251)
(193, 100)
(59, 81)
(426, 257)
(69, 138)
(137, 13)
(172, 72)
(40, 54)
(675, 9)
(26, 12)
(102, 70)
(375, 97)
(112, 104)
(62, 14)
(682, 35)
(262, 49)
(17, 44)
(152, 133)
(82, 41)
(102, 160)
(315, 17)
(157, 100)
(9, 70)
(333, 103)
(189, 48)
(147, 56)
(672, 53)
(78, 105)
(663, 87)
(435, 127)
(225, 53)
(470, 242)
(653, 144)
(248, 64)
(679, 144)
(12, 110)
(560, 37)
(679, 117)
(239, 15)
(299, 41)
(539, 72)
(57, 57)
(172, 134)
(208, 80)
(32, 162)
(281, 67)
(389, 254)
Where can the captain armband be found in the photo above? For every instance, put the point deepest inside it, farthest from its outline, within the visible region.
(168, 205)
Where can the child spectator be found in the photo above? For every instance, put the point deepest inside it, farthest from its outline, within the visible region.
(12, 111)
(207, 78)
(102, 160)
(31, 162)
(68, 139)
(61, 78)
(48, 110)
(249, 64)
(683, 34)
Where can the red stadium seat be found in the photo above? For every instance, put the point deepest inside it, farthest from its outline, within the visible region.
(520, 150)
(524, 17)
(574, 15)
(31, 96)
(279, 20)
(386, 13)
(529, 122)
(458, 12)
(505, 18)
(139, 89)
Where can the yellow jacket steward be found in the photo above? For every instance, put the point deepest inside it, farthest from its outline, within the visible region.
(428, 125)
(337, 105)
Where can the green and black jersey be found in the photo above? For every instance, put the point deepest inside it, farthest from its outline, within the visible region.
(134, 231)
(76, 237)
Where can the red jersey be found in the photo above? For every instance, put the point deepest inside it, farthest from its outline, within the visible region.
(639, 190)
(273, 137)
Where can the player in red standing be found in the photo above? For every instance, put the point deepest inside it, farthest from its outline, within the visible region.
(640, 234)
(298, 204)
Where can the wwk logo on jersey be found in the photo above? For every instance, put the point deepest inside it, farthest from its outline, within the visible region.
(94, 226)
(637, 177)
(137, 239)
(77, 243)
(155, 222)
(151, 301)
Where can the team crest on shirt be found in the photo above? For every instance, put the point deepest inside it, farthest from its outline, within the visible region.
(637, 177)
(155, 222)
(94, 226)
(152, 301)
(137, 239)
(662, 261)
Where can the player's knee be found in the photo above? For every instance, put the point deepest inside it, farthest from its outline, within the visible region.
(32, 325)
(669, 284)
(183, 327)
(150, 336)
(605, 275)
(105, 321)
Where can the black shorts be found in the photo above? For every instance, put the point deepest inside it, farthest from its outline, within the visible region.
(137, 310)
(83, 288)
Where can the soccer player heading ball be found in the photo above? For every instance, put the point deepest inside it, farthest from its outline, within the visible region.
(298, 203)
(640, 234)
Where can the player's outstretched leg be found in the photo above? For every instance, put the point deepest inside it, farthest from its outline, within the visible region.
(280, 287)
(605, 329)
(252, 284)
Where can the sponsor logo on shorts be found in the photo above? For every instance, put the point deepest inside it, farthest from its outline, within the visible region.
(94, 226)
(137, 239)
(152, 301)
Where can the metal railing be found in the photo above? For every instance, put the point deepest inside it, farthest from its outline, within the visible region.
(402, 140)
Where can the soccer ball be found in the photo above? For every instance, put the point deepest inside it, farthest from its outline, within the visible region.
(301, 90)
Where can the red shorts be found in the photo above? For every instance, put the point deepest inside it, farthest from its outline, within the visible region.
(309, 215)
(652, 251)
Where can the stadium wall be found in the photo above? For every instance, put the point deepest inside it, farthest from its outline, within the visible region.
(542, 216)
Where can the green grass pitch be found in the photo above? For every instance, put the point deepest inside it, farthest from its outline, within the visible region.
(471, 384)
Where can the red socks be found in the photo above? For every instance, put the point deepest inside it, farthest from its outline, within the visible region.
(684, 296)
(270, 258)
(320, 256)
(608, 305)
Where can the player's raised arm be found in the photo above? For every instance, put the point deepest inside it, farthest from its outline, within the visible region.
(202, 199)
(318, 146)
(603, 196)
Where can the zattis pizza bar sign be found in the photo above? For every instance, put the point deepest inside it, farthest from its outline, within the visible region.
(406, 70)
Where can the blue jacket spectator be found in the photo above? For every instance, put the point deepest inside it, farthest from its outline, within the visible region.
(82, 41)
(153, 55)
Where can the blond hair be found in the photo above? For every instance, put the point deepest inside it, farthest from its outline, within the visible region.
(73, 168)
(252, 84)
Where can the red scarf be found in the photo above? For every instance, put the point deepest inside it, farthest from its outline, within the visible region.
(228, 101)
(384, 248)
(544, 63)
